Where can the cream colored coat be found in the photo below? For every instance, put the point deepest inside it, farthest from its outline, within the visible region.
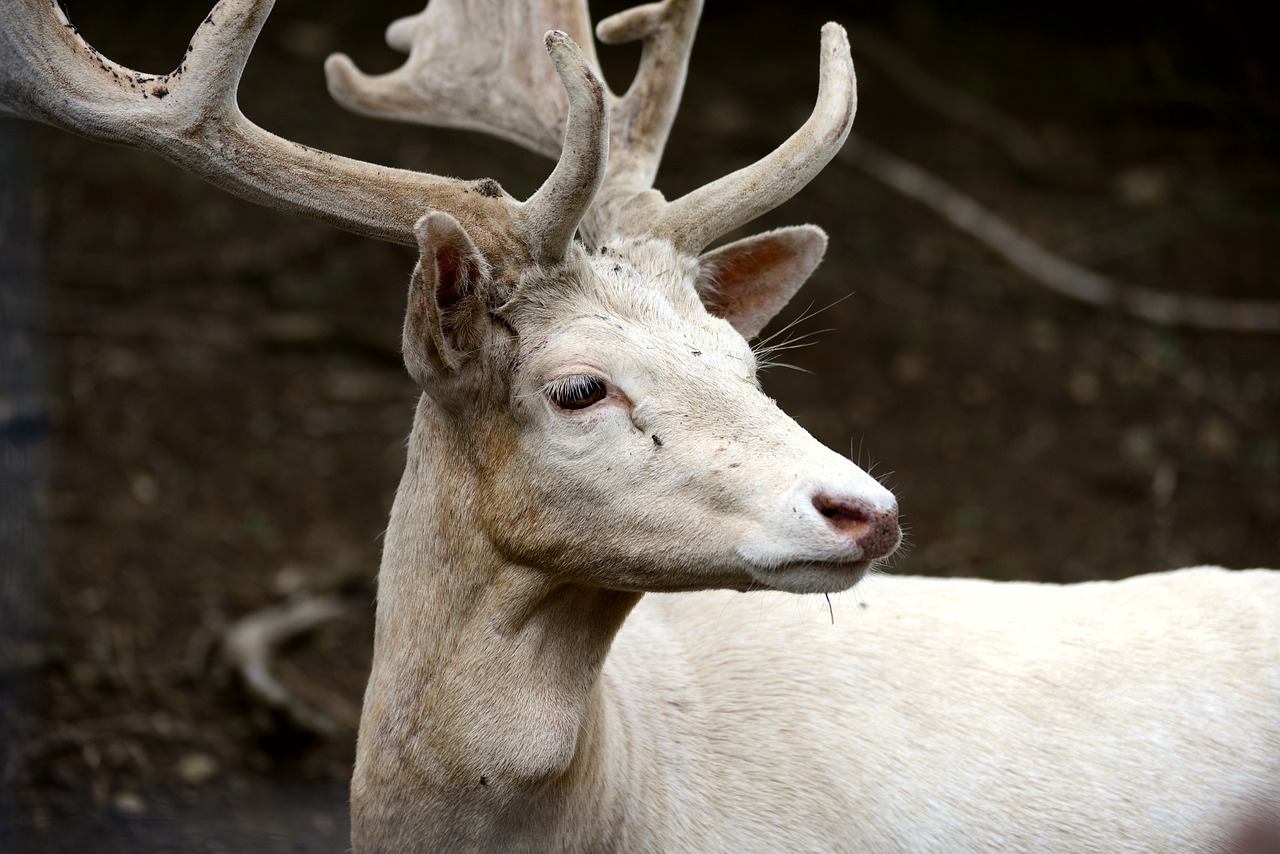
(527, 697)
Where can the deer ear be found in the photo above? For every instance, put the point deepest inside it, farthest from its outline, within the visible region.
(748, 281)
(446, 314)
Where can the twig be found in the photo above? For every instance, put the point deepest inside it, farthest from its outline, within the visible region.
(1053, 271)
(250, 645)
(960, 107)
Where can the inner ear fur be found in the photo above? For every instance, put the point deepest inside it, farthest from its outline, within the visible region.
(748, 281)
(446, 314)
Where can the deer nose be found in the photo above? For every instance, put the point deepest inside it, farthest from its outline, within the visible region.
(873, 529)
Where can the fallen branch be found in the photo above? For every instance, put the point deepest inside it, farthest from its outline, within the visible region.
(1050, 270)
(250, 647)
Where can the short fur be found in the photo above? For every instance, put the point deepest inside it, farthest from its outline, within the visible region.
(527, 695)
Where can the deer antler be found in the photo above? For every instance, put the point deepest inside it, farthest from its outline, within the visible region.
(473, 65)
(190, 117)
(693, 221)
(479, 77)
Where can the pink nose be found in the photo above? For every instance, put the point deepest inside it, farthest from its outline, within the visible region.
(874, 530)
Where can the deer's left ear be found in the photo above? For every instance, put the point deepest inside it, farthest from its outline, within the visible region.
(748, 281)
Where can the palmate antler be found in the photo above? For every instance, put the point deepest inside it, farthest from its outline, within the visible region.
(470, 67)
(473, 64)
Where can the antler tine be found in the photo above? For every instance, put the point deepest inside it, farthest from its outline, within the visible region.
(475, 65)
(642, 117)
(693, 221)
(29, 33)
(189, 117)
(552, 214)
(470, 66)
(456, 78)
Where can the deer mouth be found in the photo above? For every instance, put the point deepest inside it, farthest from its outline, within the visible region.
(813, 576)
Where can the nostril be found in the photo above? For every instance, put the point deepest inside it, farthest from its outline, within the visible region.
(873, 529)
(842, 512)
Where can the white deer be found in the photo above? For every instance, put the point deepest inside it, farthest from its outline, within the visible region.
(560, 661)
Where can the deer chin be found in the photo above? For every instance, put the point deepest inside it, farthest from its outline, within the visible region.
(812, 576)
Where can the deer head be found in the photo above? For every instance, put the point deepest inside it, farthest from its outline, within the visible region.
(619, 434)
(621, 395)
(586, 352)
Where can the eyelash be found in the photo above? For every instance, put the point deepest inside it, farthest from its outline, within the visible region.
(576, 392)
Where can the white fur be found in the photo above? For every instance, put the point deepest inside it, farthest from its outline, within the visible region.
(955, 715)
(526, 694)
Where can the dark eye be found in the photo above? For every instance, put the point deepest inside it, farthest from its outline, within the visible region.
(577, 392)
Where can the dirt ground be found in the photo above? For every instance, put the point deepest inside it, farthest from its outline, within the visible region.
(229, 409)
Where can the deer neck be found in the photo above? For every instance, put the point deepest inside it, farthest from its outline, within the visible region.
(485, 680)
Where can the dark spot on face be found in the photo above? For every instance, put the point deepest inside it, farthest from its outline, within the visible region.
(697, 352)
(617, 268)
(735, 465)
(484, 781)
(488, 188)
(656, 440)
(159, 91)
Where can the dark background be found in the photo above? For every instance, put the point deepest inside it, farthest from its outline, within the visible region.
(226, 410)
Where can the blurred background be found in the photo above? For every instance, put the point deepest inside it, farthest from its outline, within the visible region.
(204, 405)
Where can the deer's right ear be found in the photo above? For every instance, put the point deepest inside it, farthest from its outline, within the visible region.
(446, 314)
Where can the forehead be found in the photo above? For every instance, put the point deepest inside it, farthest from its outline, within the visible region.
(618, 308)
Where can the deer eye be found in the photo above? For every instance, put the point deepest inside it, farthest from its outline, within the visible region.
(576, 392)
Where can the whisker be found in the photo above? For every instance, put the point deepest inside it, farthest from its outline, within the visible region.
(764, 366)
(808, 313)
(790, 343)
